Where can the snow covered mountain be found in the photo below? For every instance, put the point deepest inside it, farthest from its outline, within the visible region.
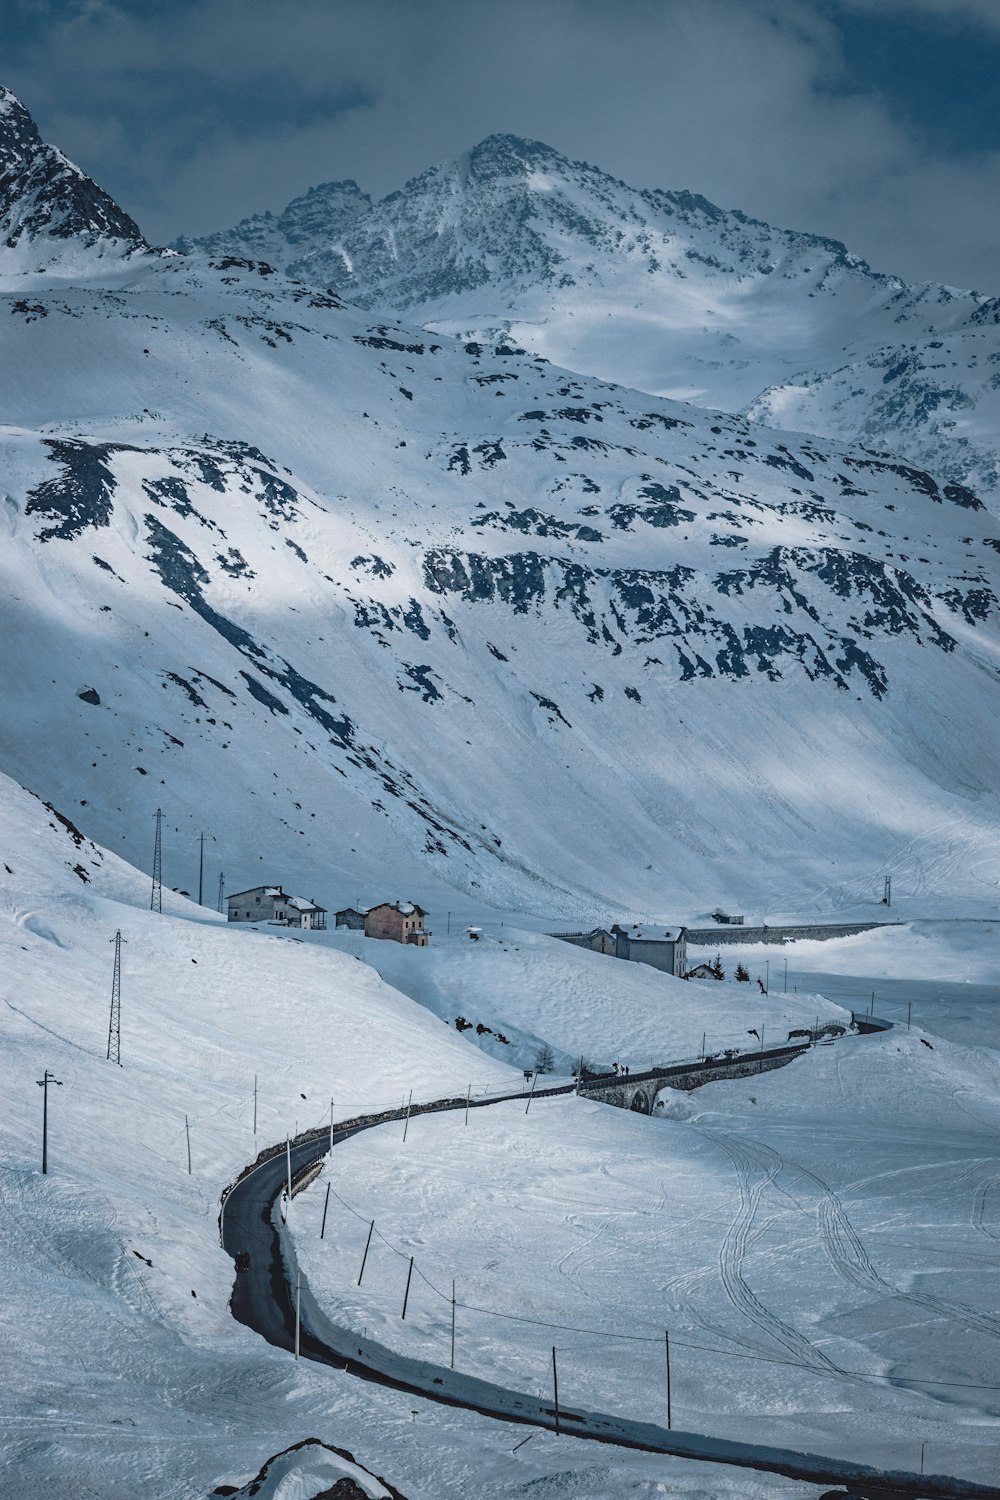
(661, 291)
(360, 600)
(53, 217)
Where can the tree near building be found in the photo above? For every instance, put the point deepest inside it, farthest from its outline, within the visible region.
(545, 1061)
(743, 973)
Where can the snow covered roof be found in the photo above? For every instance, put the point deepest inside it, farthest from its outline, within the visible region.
(301, 904)
(638, 932)
(256, 890)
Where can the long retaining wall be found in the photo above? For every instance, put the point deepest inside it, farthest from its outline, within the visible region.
(724, 935)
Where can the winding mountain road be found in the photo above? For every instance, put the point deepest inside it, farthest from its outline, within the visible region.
(262, 1299)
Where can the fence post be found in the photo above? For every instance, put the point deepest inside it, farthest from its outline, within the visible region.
(555, 1388)
(326, 1205)
(406, 1294)
(666, 1343)
(453, 1325)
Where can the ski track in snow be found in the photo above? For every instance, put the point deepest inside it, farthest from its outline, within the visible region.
(757, 1167)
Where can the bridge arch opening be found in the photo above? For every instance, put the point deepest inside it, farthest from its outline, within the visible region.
(640, 1104)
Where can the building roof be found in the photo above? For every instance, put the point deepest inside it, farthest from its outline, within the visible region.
(405, 908)
(301, 904)
(361, 911)
(641, 933)
(257, 890)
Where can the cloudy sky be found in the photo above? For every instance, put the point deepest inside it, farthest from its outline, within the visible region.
(875, 121)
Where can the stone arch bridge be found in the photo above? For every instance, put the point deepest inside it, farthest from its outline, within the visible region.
(638, 1091)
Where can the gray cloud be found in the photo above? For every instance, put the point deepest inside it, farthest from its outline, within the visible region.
(197, 113)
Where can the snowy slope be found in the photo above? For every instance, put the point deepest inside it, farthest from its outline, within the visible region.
(124, 1374)
(554, 643)
(662, 291)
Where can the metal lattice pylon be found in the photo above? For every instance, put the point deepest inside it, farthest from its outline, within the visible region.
(115, 1023)
(222, 889)
(156, 895)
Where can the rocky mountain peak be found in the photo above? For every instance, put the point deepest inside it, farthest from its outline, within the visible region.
(19, 137)
(49, 208)
(500, 156)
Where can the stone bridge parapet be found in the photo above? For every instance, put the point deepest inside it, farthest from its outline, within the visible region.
(638, 1091)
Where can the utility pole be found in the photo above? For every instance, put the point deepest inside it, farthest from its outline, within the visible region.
(222, 891)
(785, 962)
(255, 1104)
(406, 1122)
(531, 1093)
(43, 1084)
(156, 895)
(468, 1096)
(288, 1159)
(187, 1132)
(555, 1388)
(767, 975)
(298, 1309)
(406, 1294)
(887, 891)
(326, 1205)
(201, 865)
(453, 1325)
(364, 1257)
(666, 1344)
(115, 1023)
(331, 1127)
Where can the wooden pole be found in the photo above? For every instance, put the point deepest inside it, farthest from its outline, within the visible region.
(406, 1294)
(288, 1159)
(298, 1309)
(534, 1080)
(255, 1104)
(406, 1122)
(666, 1345)
(555, 1388)
(326, 1205)
(453, 1325)
(187, 1132)
(468, 1096)
(371, 1228)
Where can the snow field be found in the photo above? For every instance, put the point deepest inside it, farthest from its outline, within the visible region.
(814, 1239)
(118, 1381)
(534, 989)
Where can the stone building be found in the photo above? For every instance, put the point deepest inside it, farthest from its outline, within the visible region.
(662, 948)
(351, 916)
(269, 903)
(400, 922)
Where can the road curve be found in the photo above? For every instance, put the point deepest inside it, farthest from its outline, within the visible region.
(262, 1300)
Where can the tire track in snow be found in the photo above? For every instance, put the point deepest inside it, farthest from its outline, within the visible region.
(979, 1207)
(853, 1264)
(733, 1249)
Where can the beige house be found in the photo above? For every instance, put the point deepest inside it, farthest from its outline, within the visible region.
(400, 922)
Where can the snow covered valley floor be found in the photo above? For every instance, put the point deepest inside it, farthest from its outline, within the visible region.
(837, 1216)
